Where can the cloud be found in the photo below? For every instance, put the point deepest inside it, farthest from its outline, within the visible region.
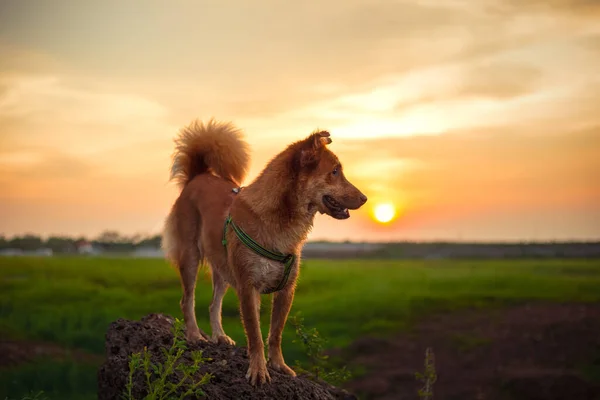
(43, 95)
(16, 59)
(51, 192)
(504, 167)
(434, 100)
(488, 183)
(499, 80)
(74, 118)
(42, 163)
(453, 107)
(266, 59)
(586, 9)
(591, 42)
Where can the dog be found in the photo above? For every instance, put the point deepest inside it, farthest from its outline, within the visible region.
(276, 211)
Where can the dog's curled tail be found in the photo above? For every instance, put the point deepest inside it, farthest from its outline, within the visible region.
(215, 147)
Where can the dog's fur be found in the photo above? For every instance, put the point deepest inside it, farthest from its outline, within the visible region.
(276, 210)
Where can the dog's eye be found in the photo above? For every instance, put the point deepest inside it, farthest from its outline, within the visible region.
(335, 171)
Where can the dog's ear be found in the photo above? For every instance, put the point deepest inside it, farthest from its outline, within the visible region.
(320, 139)
(313, 147)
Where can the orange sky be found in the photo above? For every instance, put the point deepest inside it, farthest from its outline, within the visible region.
(478, 120)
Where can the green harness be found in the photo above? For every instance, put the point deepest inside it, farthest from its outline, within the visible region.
(286, 259)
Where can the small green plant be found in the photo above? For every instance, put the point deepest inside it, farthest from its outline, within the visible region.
(428, 377)
(159, 386)
(319, 365)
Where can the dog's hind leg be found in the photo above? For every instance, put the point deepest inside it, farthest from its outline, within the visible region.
(188, 269)
(219, 290)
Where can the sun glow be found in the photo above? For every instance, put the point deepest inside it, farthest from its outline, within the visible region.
(385, 212)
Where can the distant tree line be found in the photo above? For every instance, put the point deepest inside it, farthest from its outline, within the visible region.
(110, 241)
(113, 242)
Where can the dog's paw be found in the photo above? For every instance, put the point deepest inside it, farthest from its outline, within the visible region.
(257, 374)
(223, 339)
(281, 367)
(196, 336)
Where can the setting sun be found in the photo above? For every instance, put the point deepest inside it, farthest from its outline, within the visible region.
(384, 212)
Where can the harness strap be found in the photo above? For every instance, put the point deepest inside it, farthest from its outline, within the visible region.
(287, 260)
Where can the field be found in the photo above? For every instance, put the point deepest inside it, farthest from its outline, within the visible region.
(62, 306)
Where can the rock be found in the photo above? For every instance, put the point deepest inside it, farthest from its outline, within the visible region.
(228, 365)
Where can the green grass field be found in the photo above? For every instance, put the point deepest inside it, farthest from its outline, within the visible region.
(71, 301)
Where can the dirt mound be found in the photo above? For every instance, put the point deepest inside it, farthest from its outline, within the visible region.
(537, 351)
(228, 365)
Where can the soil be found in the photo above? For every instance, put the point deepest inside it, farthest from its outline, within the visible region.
(535, 351)
(228, 364)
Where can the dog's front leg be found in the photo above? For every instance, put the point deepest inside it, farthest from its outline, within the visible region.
(250, 309)
(282, 302)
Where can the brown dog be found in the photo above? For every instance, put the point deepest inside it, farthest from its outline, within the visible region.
(276, 210)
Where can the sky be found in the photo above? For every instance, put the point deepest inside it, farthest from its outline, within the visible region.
(478, 121)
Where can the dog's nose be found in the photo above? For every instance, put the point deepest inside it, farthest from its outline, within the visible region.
(363, 199)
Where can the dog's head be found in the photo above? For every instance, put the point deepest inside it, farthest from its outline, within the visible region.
(326, 188)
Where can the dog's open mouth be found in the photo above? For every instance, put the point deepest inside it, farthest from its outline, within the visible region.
(335, 209)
